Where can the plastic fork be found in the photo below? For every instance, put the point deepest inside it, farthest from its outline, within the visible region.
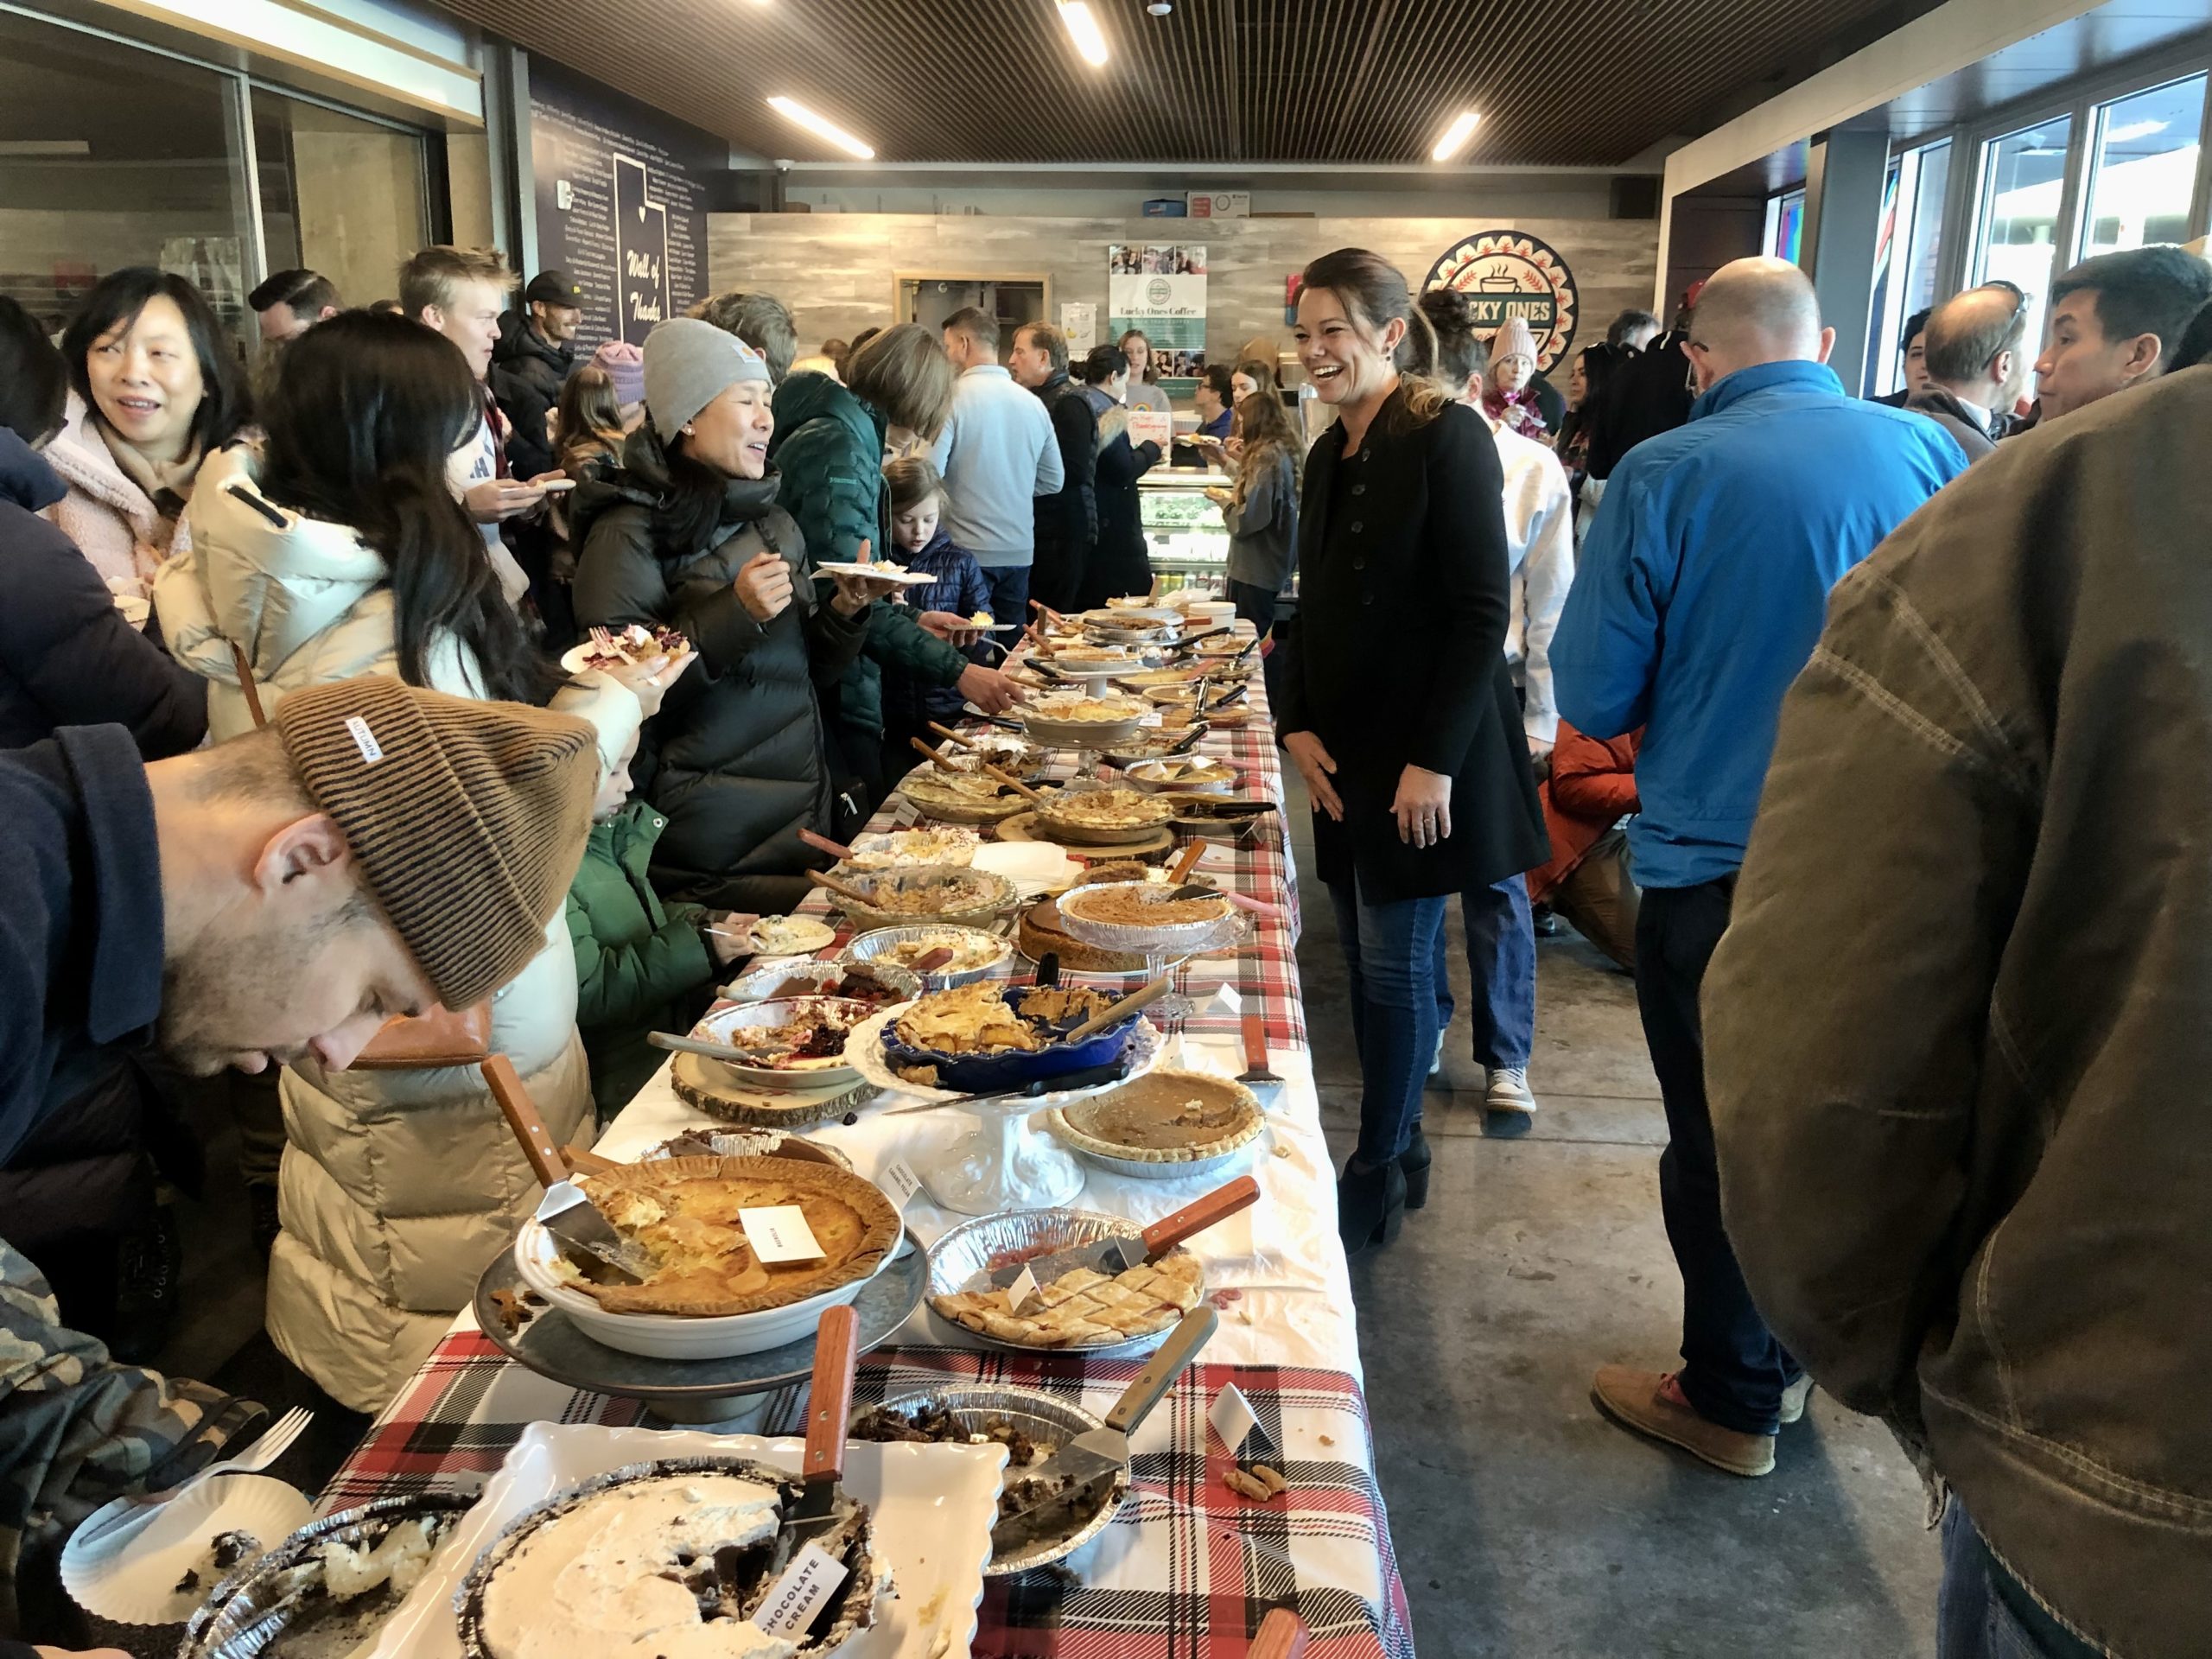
(127, 1516)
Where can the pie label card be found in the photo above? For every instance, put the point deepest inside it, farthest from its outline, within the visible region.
(1230, 999)
(1021, 1291)
(779, 1233)
(1151, 426)
(796, 1597)
(906, 814)
(1232, 1416)
(899, 1180)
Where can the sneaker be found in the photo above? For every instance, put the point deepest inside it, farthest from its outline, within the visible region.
(1651, 1403)
(1794, 1398)
(1436, 1062)
(1509, 1090)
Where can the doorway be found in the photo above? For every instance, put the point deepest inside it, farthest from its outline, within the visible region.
(1012, 300)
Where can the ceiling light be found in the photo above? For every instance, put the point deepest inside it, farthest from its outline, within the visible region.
(1082, 29)
(1455, 136)
(799, 115)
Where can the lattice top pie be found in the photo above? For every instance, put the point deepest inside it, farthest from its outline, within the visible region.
(1084, 1309)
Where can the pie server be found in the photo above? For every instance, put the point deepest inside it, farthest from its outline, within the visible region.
(1117, 1256)
(1093, 1456)
(829, 1405)
(573, 1219)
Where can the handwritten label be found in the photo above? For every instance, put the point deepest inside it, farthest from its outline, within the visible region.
(1232, 1416)
(1230, 999)
(796, 1597)
(1151, 426)
(779, 1233)
(1021, 1291)
(899, 1180)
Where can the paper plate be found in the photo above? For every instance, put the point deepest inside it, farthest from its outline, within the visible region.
(874, 572)
(1036, 867)
(136, 1583)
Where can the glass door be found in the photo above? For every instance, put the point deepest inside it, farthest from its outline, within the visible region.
(2023, 194)
(340, 193)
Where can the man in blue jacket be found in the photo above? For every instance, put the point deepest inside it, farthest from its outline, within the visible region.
(1700, 595)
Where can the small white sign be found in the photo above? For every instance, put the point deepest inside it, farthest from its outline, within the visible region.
(899, 1180)
(364, 740)
(779, 1233)
(906, 814)
(1229, 998)
(1021, 1291)
(1151, 426)
(810, 1580)
(1232, 1416)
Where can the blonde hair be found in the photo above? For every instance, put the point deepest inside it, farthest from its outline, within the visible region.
(1265, 426)
(904, 372)
(434, 276)
(1373, 291)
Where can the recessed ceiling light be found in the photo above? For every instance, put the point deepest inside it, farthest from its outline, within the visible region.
(798, 115)
(1455, 136)
(1082, 29)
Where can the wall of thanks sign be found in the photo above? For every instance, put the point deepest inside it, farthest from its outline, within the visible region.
(837, 272)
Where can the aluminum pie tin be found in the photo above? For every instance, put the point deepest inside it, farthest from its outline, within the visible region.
(1041, 1415)
(997, 895)
(971, 1248)
(242, 1618)
(1167, 938)
(866, 1587)
(764, 984)
(869, 946)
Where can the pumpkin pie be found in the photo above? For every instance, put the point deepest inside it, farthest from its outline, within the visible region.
(1163, 1117)
(1084, 1309)
(685, 1212)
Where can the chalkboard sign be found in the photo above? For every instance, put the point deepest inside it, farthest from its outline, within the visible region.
(621, 204)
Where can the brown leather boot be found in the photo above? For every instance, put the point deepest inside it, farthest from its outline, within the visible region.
(1649, 1403)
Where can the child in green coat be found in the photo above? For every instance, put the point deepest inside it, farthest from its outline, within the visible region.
(641, 965)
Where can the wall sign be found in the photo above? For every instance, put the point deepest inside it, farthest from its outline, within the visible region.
(1509, 274)
(621, 205)
(1160, 289)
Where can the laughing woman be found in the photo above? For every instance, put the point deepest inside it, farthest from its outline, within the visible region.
(1397, 706)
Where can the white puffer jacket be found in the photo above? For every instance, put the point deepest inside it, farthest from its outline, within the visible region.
(397, 1187)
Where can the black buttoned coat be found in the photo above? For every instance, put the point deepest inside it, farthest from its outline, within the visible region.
(1399, 655)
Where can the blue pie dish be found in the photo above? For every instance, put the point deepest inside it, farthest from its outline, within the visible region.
(1013, 1068)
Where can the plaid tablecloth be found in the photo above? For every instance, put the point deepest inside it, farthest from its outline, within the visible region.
(1188, 1569)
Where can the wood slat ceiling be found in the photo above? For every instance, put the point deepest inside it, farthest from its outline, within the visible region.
(1577, 82)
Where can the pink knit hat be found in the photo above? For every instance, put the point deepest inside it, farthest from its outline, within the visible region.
(625, 366)
(1514, 340)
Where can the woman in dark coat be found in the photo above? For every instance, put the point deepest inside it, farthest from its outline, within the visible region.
(1398, 707)
(1118, 566)
(687, 534)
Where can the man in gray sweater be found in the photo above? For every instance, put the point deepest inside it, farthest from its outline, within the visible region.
(996, 454)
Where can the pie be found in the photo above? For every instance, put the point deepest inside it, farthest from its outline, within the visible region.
(633, 647)
(684, 1212)
(1183, 773)
(1084, 1309)
(932, 891)
(1128, 905)
(811, 1039)
(906, 848)
(970, 950)
(1115, 808)
(1163, 1117)
(967, 794)
(1084, 710)
(977, 1020)
(1040, 933)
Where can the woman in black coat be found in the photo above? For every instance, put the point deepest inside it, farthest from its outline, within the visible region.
(1118, 566)
(1398, 707)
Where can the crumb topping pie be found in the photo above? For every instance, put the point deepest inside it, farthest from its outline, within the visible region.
(1084, 1309)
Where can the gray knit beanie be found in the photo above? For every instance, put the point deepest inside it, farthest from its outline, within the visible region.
(688, 364)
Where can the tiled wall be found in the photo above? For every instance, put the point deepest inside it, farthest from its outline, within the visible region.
(837, 272)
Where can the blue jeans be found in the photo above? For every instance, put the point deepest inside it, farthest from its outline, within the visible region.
(1390, 956)
(1009, 586)
(1984, 1612)
(1502, 966)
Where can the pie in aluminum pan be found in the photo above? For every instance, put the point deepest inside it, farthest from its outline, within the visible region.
(1084, 1309)
(684, 1212)
(1163, 1117)
(1113, 808)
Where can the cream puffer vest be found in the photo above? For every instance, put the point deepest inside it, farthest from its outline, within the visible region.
(397, 1187)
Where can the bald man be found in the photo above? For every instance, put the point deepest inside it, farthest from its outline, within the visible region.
(1973, 364)
(1699, 597)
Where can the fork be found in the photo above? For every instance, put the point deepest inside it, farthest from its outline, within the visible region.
(128, 1515)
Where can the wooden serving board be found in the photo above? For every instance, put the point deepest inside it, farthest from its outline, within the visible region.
(696, 1085)
(1147, 844)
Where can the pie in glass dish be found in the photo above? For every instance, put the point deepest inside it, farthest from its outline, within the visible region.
(1164, 1117)
(684, 1211)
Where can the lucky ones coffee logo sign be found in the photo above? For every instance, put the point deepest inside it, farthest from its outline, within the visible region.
(1508, 274)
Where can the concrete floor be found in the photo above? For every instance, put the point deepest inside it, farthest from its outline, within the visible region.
(1525, 1524)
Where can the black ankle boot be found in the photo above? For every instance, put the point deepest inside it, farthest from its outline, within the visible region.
(1414, 1160)
(1371, 1205)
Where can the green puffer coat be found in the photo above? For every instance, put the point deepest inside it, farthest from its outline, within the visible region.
(829, 446)
(641, 965)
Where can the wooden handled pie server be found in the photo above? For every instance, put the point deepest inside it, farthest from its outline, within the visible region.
(1282, 1635)
(836, 1351)
(1117, 1256)
(1255, 1052)
(568, 1214)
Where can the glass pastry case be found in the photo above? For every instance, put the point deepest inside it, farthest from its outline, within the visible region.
(1184, 534)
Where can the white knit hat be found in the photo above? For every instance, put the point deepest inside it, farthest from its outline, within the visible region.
(1514, 340)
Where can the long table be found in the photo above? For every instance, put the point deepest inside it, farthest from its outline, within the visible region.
(1188, 1568)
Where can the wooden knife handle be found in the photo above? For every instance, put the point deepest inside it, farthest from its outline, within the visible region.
(950, 735)
(834, 848)
(1185, 862)
(824, 879)
(1255, 1043)
(1282, 1635)
(836, 1351)
(1160, 1371)
(521, 1113)
(933, 754)
(1145, 995)
(1196, 1216)
(1012, 783)
(584, 1161)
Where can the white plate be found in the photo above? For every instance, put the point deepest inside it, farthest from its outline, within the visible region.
(1034, 866)
(933, 1508)
(572, 660)
(875, 572)
(135, 1583)
(865, 1048)
(800, 936)
(674, 1336)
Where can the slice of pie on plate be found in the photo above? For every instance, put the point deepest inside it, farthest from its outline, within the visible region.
(685, 1212)
(1164, 1117)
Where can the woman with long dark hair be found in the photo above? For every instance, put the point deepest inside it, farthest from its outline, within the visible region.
(1118, 566)
(334, 549)
(156, 386)
(1261, 509)
(1396, 705)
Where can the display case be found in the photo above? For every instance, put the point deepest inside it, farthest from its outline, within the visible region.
(1184, 534)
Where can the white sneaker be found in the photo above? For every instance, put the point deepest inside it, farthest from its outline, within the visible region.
(1436, 1064)
(1509, 1090)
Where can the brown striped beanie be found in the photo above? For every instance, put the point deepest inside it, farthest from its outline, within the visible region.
(468, 818)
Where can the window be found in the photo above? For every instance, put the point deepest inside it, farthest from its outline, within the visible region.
(2022, 187)
(340, 193)
(1909, 251)
(2142, 168)
(1785, 223)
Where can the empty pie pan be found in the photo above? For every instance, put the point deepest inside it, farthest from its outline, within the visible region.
(721, 1027)
(1041, 1416)
(869, 948)
(675, 1335)
(764, 984)
(975, 1247)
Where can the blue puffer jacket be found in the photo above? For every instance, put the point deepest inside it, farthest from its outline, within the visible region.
(1701, 589)
(959, 589)
(67, 658)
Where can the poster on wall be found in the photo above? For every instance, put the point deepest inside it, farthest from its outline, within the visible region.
(1509, 274)
(621, 206)
(1160, 289)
